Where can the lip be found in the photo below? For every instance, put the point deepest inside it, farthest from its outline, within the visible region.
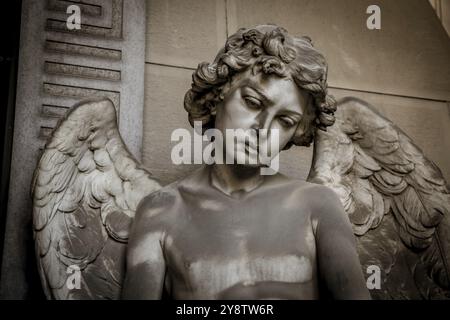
(248, 147)
(253, 143)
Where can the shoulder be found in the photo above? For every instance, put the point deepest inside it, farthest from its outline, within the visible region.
(322, 202)
(158, 208)
(166, 205)
(158, 200)
(327, 212)
(153, 221)
(317, 195)
(322, 197)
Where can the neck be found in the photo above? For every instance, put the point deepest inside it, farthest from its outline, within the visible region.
(230, 178)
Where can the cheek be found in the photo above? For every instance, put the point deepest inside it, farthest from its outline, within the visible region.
(231, 114)
(285, 135)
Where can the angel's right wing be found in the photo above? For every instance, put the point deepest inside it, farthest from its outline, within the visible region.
(397, 201)
(85, 191)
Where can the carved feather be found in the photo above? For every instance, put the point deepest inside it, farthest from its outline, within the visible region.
(86, 188)
(396, 199)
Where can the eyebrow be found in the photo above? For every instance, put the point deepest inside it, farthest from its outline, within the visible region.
(294, 113)
(254, 86)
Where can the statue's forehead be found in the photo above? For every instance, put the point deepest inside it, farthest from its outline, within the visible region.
(259, 78)
(271, 84)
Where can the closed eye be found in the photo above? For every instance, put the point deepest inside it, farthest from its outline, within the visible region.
(287, 121)
(252, 102)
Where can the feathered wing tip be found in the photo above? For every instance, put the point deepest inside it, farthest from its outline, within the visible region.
(378, 172)
(85, 192)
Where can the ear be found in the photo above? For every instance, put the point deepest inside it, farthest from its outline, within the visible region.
(213, 109)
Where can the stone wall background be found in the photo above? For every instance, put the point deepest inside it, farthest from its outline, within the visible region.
(402, 69)
(442, 8)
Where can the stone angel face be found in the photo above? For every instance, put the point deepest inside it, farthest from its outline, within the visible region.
(261, 102)
(372, 200)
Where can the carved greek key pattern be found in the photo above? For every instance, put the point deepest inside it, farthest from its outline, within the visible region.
(73, 91)
(100, 19)
(82, 50)
(81, 71)
(88, 9)
(53, 111)
(113, 31)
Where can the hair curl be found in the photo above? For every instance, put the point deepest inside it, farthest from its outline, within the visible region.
(271, 50)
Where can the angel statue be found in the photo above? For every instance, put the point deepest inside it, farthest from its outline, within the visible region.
(372, 199)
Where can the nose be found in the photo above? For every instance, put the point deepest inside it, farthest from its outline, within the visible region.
(262, 120)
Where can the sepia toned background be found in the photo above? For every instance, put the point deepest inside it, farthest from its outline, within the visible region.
(142, 54)
(402, 69)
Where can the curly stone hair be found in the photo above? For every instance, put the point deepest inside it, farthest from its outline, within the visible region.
(270, 49)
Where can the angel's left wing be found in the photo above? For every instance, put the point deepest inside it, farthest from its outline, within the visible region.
(396, 199)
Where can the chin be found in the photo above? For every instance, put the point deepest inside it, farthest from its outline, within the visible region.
(247, 165)
(244, 154)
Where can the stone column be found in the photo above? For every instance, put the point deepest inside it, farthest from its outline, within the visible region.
(57, 68)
